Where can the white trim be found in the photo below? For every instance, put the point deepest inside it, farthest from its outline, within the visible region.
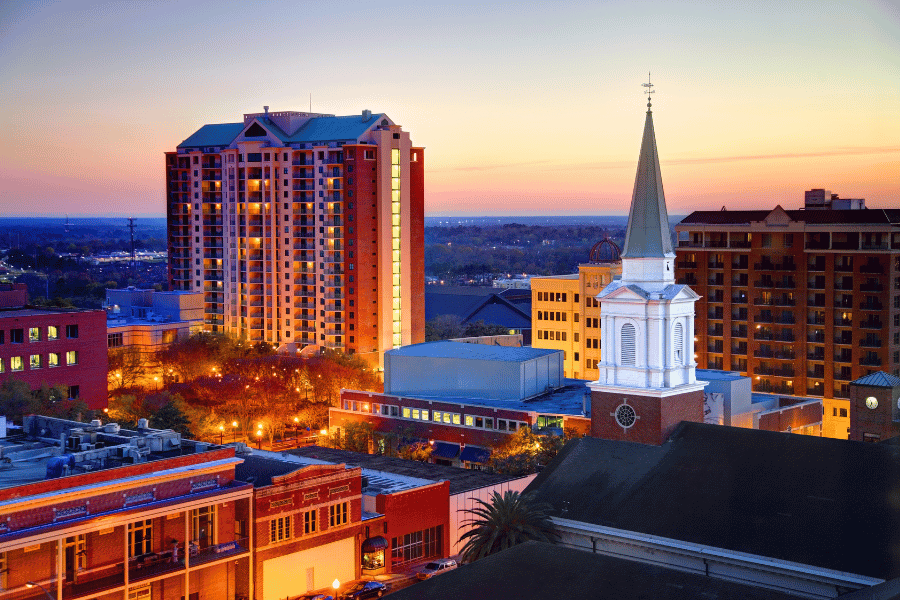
(752, 569)
(596, 386)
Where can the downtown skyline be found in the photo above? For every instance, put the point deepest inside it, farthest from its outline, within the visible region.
(524, 109)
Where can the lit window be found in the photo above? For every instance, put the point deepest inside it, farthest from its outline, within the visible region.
(35, 362)
(72, 357)
(470, 421)
(52, 332)
(280, 529)
(338, 514)
(310, 521)
(406, 413)
(53, 359)
(34, 334)
(16, 363)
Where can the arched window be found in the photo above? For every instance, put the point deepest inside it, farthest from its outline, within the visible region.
(678, 344)
(628, 352)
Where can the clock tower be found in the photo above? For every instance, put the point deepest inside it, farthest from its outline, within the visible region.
(647, 382)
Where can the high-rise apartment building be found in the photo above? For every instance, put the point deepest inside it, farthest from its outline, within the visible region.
(802, 301)
(565, 312)
(302, 229)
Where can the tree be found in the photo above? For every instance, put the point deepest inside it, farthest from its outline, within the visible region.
(444, 327)
(526, 452)
(504, 522)
(171, 415)
(354, 436)
(126, 367)
(16, 399)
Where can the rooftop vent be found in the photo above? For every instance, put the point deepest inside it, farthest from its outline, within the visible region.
(366, 115)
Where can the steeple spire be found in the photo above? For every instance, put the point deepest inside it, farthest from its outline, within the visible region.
(648, 222)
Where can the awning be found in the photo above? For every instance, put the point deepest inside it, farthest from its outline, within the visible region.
(374, 544)
(445, 450)
(475, 454)
(404, 442)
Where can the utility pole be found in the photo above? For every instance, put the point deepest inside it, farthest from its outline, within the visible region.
(133, 266)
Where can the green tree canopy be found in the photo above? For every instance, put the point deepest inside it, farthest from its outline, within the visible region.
(503, 522)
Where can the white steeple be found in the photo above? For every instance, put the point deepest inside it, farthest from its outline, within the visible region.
(647, 320)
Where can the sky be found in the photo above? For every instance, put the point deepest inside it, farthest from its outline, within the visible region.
(524, 108)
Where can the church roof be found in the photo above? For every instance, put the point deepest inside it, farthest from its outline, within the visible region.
(648, 222)
(667, 293)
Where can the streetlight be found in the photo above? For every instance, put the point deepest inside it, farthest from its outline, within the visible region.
(234, 425)
(336, 585)
(296, 429)
(221, 433)
(31, 584)
(259, 439)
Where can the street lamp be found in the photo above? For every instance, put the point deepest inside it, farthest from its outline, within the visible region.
(336, 585)
(259, 439)
(31, 584)
(221, 434)
(297, 430)
(234, 425)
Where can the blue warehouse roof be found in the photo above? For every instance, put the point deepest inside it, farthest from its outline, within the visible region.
(471, 351)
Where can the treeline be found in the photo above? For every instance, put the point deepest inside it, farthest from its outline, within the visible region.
(469, 251)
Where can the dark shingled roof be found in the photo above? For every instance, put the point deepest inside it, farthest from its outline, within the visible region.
(870, 216)
(810, 500)
(509, 308)
(538, 571)
(259, 471)
(461, 480)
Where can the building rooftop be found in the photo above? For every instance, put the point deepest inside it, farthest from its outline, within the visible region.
(471, 351)
(878, 379)
(869, 216)
(537, 570)
(49, 448)
(32, 311)
(461, 480)
(572, 399)
(713, 375)
(798, 498)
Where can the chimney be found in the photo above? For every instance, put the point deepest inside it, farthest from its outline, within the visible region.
(366, 115)
(266, 109)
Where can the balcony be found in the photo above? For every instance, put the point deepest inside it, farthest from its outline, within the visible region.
(870, 343)
(871, 306)
(147, 566)
(763, 335)
(817, 337)
(871, 324)
(742, 299)
(816, 354)
(686, 264)
(739, 332)
(871, 361)
(716, 265)
(785, 355)
(872, 268)
(215, 552)
(840, 322)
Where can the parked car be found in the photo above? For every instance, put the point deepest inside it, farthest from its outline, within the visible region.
(436, 568)
(364, 589)
(314, 597)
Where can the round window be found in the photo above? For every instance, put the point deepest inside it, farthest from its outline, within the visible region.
(625, 416)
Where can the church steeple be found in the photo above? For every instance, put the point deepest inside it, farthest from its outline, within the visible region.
(648, 222)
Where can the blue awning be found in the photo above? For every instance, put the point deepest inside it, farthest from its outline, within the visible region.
(445, 450)
(475, 454)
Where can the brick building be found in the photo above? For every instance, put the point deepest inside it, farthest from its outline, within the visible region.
(56, 346)
(875, 407)
(91, 511)
(302, 230)
(802, 301)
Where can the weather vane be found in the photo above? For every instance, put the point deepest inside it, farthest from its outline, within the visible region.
(649, 90)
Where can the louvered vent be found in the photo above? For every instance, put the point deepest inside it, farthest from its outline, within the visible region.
(679, 344)
(628, 336)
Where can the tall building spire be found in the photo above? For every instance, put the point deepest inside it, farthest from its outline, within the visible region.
(648, 222)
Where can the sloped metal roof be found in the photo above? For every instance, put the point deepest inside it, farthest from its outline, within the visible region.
(648, 221)
(878, 379)
(221, 134)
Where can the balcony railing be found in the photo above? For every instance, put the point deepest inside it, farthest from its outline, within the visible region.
(219, 551)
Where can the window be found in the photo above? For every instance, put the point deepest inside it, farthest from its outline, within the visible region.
(843, 413)
(16, 363)
(628, 343)
(143, 592)
(72, 357)
(679, 344)
(1, 365)
(16, 336)
(71, 331)
(203, 526)
(4, 569)
(74, 391)
(52, 332)
(280, 529)
(34, 334)
(140, 537)
(53, 359)
(114, 340)
(338, 514)
(35, 362)
(417, 545)
(310, 521)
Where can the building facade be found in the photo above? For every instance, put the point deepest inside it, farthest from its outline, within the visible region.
(145, 516)
(802, 301)
(565, 312)
(64, 347)
(149, 320)
(302, 230)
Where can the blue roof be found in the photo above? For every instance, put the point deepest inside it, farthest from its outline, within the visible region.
(878, 379)
(213, 135)
(445, 450)
(324, 129)
(475, 454)
(472, 351)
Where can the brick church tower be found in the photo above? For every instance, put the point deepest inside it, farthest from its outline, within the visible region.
(647, 382)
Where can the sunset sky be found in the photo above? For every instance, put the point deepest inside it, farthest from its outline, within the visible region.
(524, 108)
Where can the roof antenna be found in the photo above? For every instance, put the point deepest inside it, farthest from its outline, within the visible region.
(310, 102)
(649, 91)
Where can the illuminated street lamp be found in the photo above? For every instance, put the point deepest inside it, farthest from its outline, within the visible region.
(259, 439)
(234, 425)
(221, 434)
(31, 584)
(336, 585)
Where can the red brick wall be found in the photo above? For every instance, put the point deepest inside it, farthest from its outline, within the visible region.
(415, 510)
(791, 416)
(361, 249)
(657, 417)
(417, 242)
(878, 421)
(90, 372)
(13, 295)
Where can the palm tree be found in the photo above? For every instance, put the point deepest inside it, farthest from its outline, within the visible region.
(505, 521)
